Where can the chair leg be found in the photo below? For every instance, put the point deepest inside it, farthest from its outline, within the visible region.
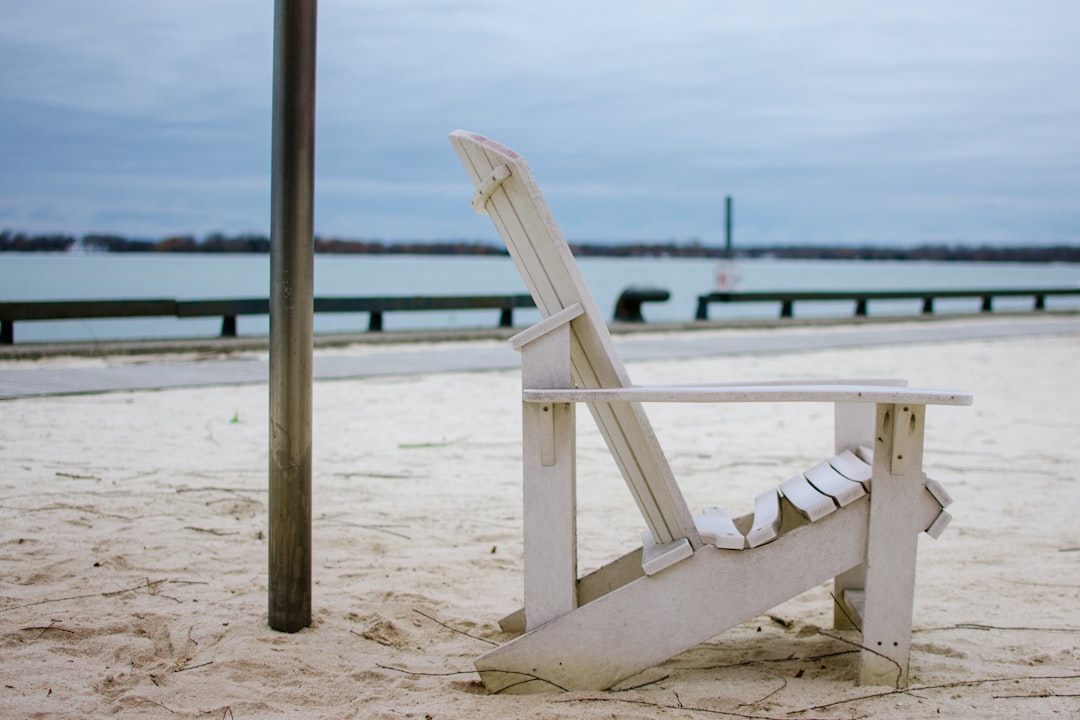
(891, 545)
(853, 428)
(548, 458)
(550, 515)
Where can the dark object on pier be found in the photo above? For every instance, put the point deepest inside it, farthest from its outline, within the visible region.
(862, 298)
(628, 306)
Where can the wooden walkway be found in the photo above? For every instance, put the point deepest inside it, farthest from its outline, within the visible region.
(25, 379)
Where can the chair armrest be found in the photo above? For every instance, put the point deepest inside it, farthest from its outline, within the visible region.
(752, 393)
(811, 381)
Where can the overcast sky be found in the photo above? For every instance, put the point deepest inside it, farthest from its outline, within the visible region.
(827, 121)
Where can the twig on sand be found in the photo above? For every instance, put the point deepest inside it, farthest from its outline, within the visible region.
(146, 700)
(979, 626)
(145, 585)
(942, 686)
(843, 610)
(417, 673)
(373, 528)
(783, 684)
(647, 683)
(679, 706)
(210, 531)
(1035, 696)
(191, 667)
(45, 628)
(236, 490)
(764, 661)
(453, 629)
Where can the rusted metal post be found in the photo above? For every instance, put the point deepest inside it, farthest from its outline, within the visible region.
(291, 313)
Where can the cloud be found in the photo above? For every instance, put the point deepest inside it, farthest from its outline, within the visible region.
(836, 121)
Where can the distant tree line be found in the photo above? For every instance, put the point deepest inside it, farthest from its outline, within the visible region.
(253, 243)
(956, 253)
(220, 243)
(20, 242)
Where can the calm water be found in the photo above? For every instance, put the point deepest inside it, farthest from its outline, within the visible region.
(34, 276)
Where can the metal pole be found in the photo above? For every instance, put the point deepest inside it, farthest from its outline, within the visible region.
(728, 251)
(291, 313)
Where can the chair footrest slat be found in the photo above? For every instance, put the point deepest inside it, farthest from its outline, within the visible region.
(815, 494)
(811, 504)
(938, 526)
(766, 526)
(655, 558)
(865, 454)
(829, 482)
(942, 498)
(940, 493)
(853, 468)
(717, 529)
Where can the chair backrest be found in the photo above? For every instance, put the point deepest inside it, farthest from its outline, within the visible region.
(507, 193)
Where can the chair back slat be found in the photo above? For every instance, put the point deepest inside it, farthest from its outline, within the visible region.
(542, 256)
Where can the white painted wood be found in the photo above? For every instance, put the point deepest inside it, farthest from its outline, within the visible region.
(829, 482)
(904, 423)
(652, 618)
(546, 422)
(656, 557)
(675, 592)
(895, 500)
(717, 529)
(876, 381)
(853, 428)
(545, 326)
(592, 585)
(854, 422)
(811, 504)
(932, 517)
(751, 393)
(853, 468)
(514, 623)
(938, 526)
(855, 600)
(549, 519)
(610, 577)
(846, 617)
(543, 258)
(590, 649)
(766, 525)
(544, 360)
(490, 184)
(939, 492)
(549, 513)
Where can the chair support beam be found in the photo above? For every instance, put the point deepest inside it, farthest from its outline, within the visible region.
(548, 457)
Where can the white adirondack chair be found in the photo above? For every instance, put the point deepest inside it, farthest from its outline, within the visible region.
(694, 577)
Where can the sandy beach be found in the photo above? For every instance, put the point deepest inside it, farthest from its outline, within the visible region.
(134, 553)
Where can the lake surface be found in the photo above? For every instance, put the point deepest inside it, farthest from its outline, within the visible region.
(33, 276)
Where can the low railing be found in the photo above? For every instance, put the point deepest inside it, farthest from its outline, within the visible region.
(229, 310)
(787, 299)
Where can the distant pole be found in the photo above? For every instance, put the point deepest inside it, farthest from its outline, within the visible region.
(292, 181)
(728, 250)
